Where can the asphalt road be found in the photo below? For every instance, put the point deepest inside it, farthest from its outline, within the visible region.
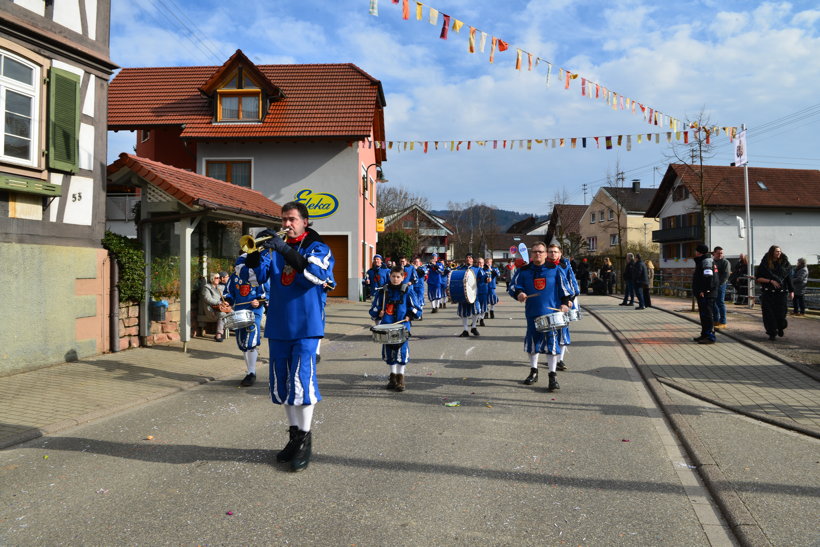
(591, 464)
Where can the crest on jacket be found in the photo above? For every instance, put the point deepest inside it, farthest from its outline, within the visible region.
(288, 275)
(540, 283)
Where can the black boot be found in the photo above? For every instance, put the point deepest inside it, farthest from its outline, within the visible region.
(286, 454)
(492, 314)
(553, 385)
(481, 323)
(561, 366)
(400, 382)
(304, 448)
(391, 382)
(532, 378)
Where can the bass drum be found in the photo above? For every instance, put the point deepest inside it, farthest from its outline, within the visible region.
(463, 286)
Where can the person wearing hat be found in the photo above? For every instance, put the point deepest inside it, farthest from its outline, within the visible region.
(469, 313)
(704, 288)
(376, 277)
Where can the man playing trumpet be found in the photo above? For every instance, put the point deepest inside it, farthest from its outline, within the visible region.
(297, 269)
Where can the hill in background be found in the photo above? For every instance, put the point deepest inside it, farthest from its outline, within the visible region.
(504, 218)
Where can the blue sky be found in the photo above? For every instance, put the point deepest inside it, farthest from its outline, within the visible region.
(738, 62)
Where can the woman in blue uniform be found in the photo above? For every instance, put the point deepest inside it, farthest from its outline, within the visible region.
(244, 292)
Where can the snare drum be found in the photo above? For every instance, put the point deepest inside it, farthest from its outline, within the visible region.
(574, 314)
(393, 334)
(463, 286)
(239, 319)
(551, 321)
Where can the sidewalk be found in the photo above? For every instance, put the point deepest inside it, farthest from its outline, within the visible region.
(733, 373)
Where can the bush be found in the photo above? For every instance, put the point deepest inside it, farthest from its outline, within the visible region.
(131, 259)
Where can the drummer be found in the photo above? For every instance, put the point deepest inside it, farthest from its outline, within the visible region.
(469, 313)
(395, 304)
(492, 299)
(566, 269)
(544, 290)
(421, 281)
(435, 283)
(244, 292)
(483, 279)
(376, 277)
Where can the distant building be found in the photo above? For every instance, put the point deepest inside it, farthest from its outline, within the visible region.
(53, 90)
(784, 204)
(530, 226)
(431, 232)
(564, 221)
(615, 218)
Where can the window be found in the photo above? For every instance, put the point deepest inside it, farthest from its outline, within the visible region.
(592, 244)
(239, 100)
(20, 100)
(611, 214)
(592, 218)
(680, 193)
(145, 134)
(407, 224)
(235, 172)
(613, 240)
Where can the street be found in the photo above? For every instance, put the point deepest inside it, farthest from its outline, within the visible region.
(592, 463)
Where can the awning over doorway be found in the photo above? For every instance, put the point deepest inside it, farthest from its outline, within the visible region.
(170, 194)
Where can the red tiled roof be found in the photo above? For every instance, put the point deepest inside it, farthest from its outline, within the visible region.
(723, 186)
(321, 100)
(570, 216)
(197, 190)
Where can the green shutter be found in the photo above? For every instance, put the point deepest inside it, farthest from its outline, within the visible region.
(63, 120)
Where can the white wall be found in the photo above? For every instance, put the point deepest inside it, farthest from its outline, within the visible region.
(281, 170)
(796, 232)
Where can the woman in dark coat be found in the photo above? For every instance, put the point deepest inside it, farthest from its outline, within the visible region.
(740, 281)
(774, 276)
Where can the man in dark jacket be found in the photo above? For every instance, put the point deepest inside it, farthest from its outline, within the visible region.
(704, 288)
(629, 288)
(640, 279)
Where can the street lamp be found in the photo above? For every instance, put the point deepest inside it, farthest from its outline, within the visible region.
(379, 178)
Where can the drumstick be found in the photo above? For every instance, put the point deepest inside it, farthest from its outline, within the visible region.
(249, 301)
(533, 294)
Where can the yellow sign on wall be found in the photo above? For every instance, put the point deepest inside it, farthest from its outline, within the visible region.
(379, 224)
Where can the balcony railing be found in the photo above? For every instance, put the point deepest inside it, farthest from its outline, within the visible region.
(684, 233)
(432, 232)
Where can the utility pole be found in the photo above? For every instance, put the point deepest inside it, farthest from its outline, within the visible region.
(585, 187)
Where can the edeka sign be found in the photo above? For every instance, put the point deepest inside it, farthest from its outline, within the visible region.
(318, 205)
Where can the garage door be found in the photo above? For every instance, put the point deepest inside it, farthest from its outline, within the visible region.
(338, 246)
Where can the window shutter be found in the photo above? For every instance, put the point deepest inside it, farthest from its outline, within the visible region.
(63, 120)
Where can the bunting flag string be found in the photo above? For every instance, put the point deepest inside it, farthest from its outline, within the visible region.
(607, 142)
(588, 88)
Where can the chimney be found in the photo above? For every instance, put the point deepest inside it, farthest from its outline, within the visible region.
(636, 185)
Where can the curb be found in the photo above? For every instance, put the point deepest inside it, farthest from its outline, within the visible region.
(738, 517)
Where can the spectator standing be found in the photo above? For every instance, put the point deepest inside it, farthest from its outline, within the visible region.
(583, 276)
(740, 281)
(607, 275)
(640, 281)
(629, 287)
(647, 295)
(800, 277)
(704, 285)
(724, 270)
(774, 276)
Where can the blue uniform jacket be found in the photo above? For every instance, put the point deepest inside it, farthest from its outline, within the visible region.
(243, 287)
(297, 298)
(397, 305)
(378, 277)
(547, 281)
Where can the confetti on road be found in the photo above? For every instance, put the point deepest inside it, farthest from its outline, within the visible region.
(229, 513)
(45, 457)
(452, 403)
(625, 440)
(149, 438)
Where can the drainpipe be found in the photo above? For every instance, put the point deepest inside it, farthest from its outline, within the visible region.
(114, 328)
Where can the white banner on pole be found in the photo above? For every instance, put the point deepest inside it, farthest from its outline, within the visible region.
(740, 149)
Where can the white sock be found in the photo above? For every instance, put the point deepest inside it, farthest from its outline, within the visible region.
(464, 322)
(401, 368)
(250, 360)
(475, 321)
(394, 369)
(563, 352)
(290, 411)
(533, 360)
(319, 347)
(304, 416)
(552, 362)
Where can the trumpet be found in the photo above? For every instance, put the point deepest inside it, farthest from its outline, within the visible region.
(250, 245)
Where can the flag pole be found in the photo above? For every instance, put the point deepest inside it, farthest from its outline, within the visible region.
(749, 259)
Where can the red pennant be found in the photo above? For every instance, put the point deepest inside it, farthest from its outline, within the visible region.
(445, 27)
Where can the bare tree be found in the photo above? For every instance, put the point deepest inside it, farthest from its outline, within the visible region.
(560, 197)
(473, 224)
(393, 199)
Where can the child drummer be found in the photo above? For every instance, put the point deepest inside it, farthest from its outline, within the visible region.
(396, 304)
(244, 292)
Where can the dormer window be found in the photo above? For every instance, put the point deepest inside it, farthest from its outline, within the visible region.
(239, 99)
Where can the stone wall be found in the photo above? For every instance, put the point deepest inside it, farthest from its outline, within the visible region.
(160, 332)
